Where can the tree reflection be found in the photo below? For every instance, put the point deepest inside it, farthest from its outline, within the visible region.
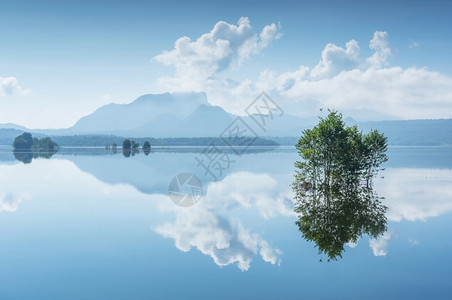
(333, 185)
(129, 152)
(26, 156)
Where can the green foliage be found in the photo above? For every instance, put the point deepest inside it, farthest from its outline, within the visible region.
(126, 144)
(26, 147)
(26, 141)
(23, 141)
(333, 184)
(135, 145)
(44, 145)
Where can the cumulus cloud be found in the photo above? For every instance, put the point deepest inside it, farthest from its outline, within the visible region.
(365, 87)
(346, 81)
(380, 44)
(198, 62)
(380, 246)
(268, 34)
(336, 59)
(10, 85)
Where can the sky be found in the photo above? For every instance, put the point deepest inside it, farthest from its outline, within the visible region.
(61, 60)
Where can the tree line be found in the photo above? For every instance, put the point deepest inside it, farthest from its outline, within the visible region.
(26, 147)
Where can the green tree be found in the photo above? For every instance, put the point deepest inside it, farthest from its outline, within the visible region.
(23, 141)
(26, 147)
(333, 186)
(126, 144)
(135, 145)
(45, 145)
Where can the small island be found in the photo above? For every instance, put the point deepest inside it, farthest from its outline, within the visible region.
(130, 148)
(26, 147)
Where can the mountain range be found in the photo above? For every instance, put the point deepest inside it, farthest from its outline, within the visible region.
(169, 115)
(191, 115)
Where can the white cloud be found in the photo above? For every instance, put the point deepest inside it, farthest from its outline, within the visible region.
(268, 34)
(10, 85)
(345, 81)
(336, 59)
(380, 246)
(365, 87)
(198, 62)
(380, 44)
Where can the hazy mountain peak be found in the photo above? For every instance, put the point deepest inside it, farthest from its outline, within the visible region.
(114, 117)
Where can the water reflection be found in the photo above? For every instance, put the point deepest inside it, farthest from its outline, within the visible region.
(211, 228)
(217, 236)
(26, 156)
(130, 152)
(146, 150)
(380, 245)
(10, 202)
(416, 194)
(228, 225)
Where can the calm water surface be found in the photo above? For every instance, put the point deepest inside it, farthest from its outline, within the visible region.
(93, 225)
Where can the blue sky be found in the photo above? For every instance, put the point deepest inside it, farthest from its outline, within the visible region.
(62, 60)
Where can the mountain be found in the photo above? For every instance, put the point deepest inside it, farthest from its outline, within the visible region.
(182, 115)
(140, 114)
(13, 126)
(174, 115)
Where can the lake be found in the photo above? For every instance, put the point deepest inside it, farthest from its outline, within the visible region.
(90, 224)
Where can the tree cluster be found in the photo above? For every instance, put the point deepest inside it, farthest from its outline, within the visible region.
(26, 147)
(333, 184)
(26, 141)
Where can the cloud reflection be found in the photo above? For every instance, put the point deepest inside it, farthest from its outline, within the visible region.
(225, 241)
(209, 227)
(416, 194)
(10, 202)
(380, 246)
